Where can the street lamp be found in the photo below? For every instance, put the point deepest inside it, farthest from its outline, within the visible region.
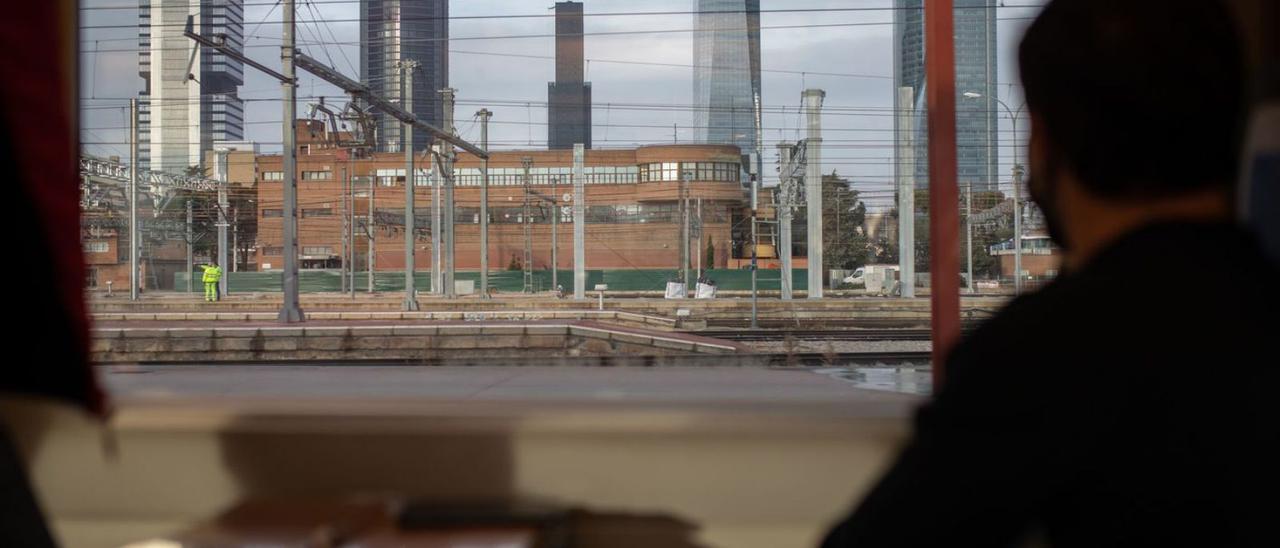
(1017, 190)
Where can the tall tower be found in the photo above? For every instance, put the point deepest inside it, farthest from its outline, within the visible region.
(392, 30)
(183, 112)
(569, 97)
(976, 118)
(726, 72)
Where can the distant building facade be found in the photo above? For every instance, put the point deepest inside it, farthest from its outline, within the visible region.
(395, 30)
(726, 72)
(976, 118)
(632, 211)
(183, 111)
(569, 97)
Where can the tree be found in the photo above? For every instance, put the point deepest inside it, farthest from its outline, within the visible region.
(710, 253)
(882, 249)
(986, 265)
(985, 234)
(844, 241)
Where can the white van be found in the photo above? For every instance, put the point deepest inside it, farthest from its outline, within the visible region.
(876, 278)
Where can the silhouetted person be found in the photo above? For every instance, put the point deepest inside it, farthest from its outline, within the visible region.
(1133, 401)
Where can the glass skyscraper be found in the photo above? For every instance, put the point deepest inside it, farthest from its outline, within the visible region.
(976, 121)
(569, 97)
(182, 113)
(726, 73)
(395, 30)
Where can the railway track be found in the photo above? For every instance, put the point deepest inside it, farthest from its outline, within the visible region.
(847, 359)
(794, 359)
(816, 334)
(818, 323)
(834, 324)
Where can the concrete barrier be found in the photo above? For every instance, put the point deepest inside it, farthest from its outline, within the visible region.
(480, 342)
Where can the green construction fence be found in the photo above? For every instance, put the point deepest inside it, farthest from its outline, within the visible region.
(506, 281)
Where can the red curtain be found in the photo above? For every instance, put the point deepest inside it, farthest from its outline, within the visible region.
(38, 132)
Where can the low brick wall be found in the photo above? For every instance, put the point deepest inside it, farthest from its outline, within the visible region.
(615, 317)
(413, 343)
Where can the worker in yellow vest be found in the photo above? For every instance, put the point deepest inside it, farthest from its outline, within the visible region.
(212, 275)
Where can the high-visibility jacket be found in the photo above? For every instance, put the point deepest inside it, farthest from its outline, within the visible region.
(211, 274)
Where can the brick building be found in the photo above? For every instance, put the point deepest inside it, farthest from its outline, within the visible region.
(632, 205)
(1041, 259)
(106, 253)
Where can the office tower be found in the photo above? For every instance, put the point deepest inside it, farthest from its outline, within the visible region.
(395, 30)
(187, 104)
(569, 97)
(976, 118)
(726, 73)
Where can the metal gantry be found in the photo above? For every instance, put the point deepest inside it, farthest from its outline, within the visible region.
(791, 168)
(110, 183)
(527, 263)
(292, 59)
(98, 170)
(484, 114)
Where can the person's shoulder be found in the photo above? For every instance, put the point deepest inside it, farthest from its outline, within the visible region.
(1035, 327)
(1041, 311)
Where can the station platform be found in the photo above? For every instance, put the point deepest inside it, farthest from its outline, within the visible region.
(711, 312)
(416, 341)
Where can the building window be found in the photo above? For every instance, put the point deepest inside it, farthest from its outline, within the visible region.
(317, 175)
(673, 171)
(389, 177)
(319, 212)
(96, 247)
(268, 213)
(317, 250)
(273, 251)
(273, 176)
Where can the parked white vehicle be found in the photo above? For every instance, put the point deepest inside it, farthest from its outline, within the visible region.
(875, 278)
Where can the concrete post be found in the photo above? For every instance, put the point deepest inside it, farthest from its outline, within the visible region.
(437, 240)
(445, 178)
(342, 262)
(134, 244)
(784, 218)
(290, 311)
(906, 192)
(220, 168)
(579, 223)
(813, 187)
(410, 181)
(1017, 229)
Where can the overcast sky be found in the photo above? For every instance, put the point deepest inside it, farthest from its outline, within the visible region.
(858, 126)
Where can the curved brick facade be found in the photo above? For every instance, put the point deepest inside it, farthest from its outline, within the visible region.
(632, 196)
